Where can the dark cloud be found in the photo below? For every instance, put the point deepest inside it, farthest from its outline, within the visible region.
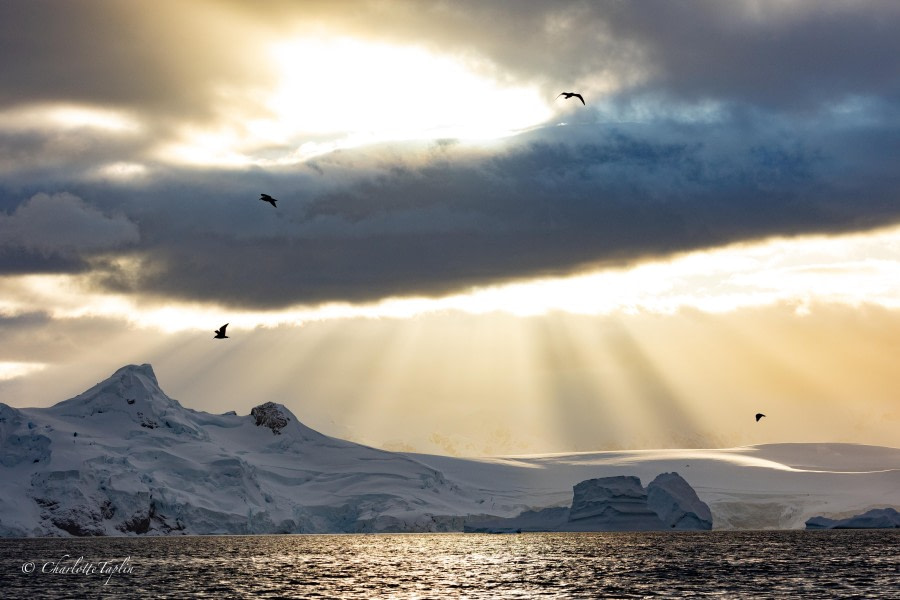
(19, 261)
(57, 155)
(551, 202)
(63, 224)
(802, 55)
(726, 121)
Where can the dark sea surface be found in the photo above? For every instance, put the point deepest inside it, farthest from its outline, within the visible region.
(722, 564)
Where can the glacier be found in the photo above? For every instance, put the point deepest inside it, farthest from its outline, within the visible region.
(123, 458)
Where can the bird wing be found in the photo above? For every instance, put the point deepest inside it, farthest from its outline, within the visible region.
(580, 98)
(222, 330)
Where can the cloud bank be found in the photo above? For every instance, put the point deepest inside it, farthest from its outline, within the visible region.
(707, 123)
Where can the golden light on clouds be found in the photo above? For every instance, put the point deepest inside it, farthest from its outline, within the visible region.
(853, 269)
(67, 116)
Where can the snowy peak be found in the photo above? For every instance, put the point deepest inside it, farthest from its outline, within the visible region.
(129, 400)
(129, 385)
(144, 371)
(131, 403)
(134, 379)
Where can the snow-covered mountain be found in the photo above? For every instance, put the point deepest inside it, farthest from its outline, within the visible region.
(125, 459)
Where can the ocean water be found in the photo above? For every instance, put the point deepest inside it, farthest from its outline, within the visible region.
(747, 564)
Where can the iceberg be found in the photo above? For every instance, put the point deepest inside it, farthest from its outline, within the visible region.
(611, 504)
(676, 503)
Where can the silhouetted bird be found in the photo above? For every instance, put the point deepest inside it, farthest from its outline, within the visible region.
(570, 94)
(220, 332)
(759, 416)
(269, 199)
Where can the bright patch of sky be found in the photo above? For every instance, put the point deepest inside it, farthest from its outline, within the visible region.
(338, 93)
(12, 369)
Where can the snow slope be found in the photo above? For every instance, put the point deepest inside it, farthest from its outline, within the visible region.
(125, 459)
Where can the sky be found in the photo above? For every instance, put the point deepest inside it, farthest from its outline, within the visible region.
(461, 261)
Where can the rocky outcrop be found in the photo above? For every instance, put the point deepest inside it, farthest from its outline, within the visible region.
(268, 415)
(877, 518)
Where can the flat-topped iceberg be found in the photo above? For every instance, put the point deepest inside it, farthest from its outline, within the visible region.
(611, 504)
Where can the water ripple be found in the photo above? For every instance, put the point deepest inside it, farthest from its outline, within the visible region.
(756, 564)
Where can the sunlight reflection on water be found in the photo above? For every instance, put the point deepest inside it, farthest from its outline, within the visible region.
(758, 564)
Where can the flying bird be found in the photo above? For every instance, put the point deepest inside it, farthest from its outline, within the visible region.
(570, 94)
(220, 332)
(269, 199)
(759, 416)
